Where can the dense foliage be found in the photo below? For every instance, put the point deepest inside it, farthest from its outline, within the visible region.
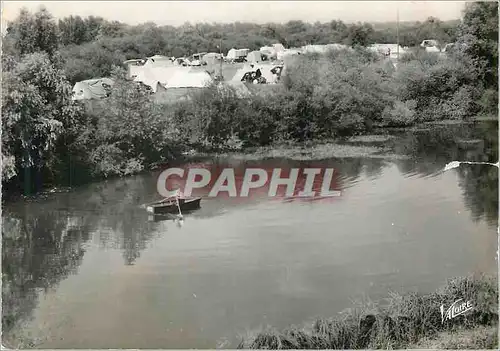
(322, 96)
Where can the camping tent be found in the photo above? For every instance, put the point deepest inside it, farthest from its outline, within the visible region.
(255, 56)
(151, 76)
(184, 79)
(212, 57)
(134, 71)
(278, 47)
(231, 54)
(92, 89)
(269, 51)
(134, 66)
(158, 61)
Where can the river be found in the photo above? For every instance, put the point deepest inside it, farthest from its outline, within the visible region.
(89, 269)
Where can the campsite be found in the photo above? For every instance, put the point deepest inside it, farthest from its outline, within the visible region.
(182, 75)
(401, 114)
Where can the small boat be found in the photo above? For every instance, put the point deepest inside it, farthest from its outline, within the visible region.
(172, 206)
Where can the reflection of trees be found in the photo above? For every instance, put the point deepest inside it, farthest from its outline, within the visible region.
(116, 204)
(479, 184)
(440, 145)
(373, 167)
(37, 253)
(42, 245)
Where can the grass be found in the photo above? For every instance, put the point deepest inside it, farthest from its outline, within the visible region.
(402, 321)
(483, 337)
(374, 138)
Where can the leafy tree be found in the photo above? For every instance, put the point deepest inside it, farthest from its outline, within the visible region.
(479, 33)
(36, 106)
(131, 131)
(360, 35)
(31, 33)
(92, 60)
(72, 30)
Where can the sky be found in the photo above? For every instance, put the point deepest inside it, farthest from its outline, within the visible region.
(178, 12)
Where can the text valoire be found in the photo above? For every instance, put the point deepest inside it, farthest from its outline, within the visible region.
(456, 309)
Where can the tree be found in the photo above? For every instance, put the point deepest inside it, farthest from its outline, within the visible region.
(72, 30)
(479, 34)
(36, 106)
(33, 32)
(360, 34)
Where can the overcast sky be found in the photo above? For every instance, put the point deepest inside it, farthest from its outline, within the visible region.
(178, 12)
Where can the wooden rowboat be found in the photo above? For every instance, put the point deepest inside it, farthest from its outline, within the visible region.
(171, 205)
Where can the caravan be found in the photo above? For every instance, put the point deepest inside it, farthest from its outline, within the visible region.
(256, 56)
(237, 55)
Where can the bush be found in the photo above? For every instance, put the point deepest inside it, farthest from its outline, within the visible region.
(401, 114)
(209, 116)
(445, 89)
(343, 92)
(488, 103)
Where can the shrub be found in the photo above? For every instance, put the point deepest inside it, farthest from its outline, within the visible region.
(488, 103)
(401, 114)
(442, 90)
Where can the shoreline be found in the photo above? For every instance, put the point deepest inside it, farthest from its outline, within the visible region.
(404, 321)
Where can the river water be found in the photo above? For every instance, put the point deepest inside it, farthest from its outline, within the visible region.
(90, 269)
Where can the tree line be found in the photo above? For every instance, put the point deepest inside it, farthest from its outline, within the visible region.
(91, 45)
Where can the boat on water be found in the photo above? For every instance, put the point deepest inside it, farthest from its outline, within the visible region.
(174, 205)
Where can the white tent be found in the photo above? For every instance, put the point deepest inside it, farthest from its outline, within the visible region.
(151, 76)
(254, 56)
(158, 61)
(92, 89)
(231, 54)
(278, 47)
(269, 51)
(183, 79)
(134, 70)
(212, 57)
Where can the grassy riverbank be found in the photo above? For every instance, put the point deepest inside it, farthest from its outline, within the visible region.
(402, 321)
(309, 151)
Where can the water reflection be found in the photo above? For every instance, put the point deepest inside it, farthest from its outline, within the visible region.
(45, 242)
(37, 253)
(430, 150)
